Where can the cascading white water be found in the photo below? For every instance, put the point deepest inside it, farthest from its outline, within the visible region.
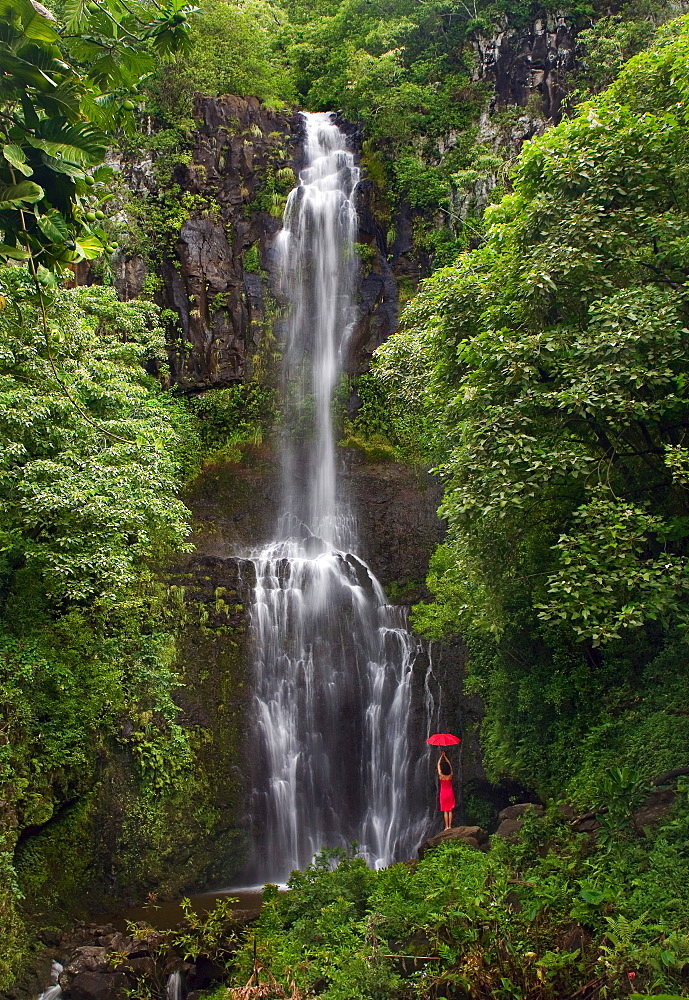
(333, 661)
(54, 991)
(173, 987)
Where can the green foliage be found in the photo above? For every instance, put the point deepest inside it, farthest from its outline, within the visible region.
(62, 99)
(379, 427)
(606, 46)
(88, 479)
(371, 430)
(233, 51)
(200, 935)
(545, 375)
(252, 260)
(84, 511)
(276, 183)
(230, 419)
(461, 922)
(612, 542)
(154, 222)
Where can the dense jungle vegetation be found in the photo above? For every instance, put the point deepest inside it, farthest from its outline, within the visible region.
(541, 370)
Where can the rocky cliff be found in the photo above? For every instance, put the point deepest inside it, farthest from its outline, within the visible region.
(216, 276)
(529, 64)
(218, 282)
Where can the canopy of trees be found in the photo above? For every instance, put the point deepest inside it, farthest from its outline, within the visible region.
(543, 374)
(548, 370)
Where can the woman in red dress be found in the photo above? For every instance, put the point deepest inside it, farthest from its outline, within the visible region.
(447, 796)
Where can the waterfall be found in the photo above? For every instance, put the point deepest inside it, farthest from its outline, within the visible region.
(173, 988)
(333, 661)
(54, 991)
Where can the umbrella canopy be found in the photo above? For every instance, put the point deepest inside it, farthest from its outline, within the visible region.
(443, 740)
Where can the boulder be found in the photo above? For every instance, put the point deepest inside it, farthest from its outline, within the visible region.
(655, 807)
(566, 811)
(517, 811)
(474, 836)
(588, 824)
(97, 986)
(140, 968)
(87, 958)
(510, 829)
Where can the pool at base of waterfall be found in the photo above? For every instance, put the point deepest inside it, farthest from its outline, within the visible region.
(165, 915)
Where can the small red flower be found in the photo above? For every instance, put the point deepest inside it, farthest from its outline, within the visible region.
(631, 975)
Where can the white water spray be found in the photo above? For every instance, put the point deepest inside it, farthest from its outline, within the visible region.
(54, 991)
(173, 988)
(333, 662)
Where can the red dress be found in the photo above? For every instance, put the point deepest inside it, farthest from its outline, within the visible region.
(447, 796)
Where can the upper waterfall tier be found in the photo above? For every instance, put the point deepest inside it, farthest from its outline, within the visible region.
(317, 265)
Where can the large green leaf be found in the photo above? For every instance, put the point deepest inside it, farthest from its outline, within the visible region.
(64, 167)
(20, 72)
(88, 248)
(64, 102)
(75, 12)
(15, 155)
(40, 29)
(20, 195)
(79, 142)
(22, 9)
(53, 225)
(31, 119)
(13, 253)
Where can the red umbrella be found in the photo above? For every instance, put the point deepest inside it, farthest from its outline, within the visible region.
(443, 740)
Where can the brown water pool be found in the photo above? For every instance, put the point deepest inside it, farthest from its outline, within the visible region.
(163, 916)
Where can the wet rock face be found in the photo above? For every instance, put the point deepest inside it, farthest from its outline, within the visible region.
(521, 63)
(236, 507)
(239, 146)
(399, 527)
(244, 155)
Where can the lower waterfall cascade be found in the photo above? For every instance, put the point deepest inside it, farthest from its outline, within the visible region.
(333, 662)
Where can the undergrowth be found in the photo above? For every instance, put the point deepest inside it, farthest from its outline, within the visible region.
(555, 915)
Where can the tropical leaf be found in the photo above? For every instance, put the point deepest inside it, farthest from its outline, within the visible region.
(53, 225)
(15, 155)
(20, 195)
(75, 13)
(13, 253)
(21, 9)
(31, 119)
(45, 57)
(24, 73)
(88, 248)
(40, 29)
(63, 102)
(73, 170)
(79, 143)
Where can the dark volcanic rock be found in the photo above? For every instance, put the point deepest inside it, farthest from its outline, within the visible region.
(510, 829)
(512, 819)
(518, 810)
(398, 524)
(88, 958)
(98, 986)
(655, 807)
(521, 63)
(474, 836)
